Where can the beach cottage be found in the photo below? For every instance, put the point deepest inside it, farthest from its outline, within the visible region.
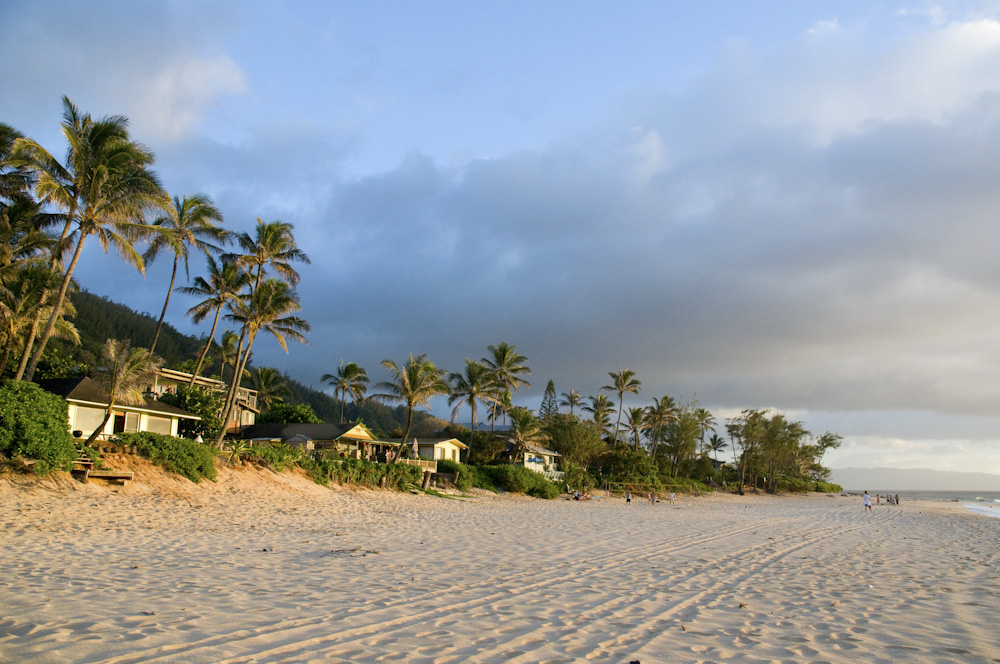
(353, 441)
(88, 404)
(435, 449)
(538, 459)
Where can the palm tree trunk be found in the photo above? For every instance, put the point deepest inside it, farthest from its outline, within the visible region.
(406, 434)
(618, 424)
(208, 346)
(29, 372)
(234, 387)
(163, 314)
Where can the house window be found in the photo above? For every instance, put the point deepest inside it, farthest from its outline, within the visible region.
(88, 419)
(126, 422)
(158, 424)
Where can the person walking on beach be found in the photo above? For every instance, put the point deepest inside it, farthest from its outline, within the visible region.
(628, 498)
(897, 498)
(672, 496)
(868, 502)
(652, 498)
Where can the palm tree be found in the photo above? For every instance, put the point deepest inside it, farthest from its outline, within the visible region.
(622, 381)
(105, 189)
(600, 409)
(228, 354)
(189, 223)
(636, 423)
(411, 384)
(20, 297)
(273, 247)
(500, 403)
(662, 412)
(508, 367)
(571, 399)
(349, 379)
(473, 387)
(123, 373)
(525, 429)
(269, 308)
(270, 386)
(705, 423)
(716, 443)
(224, 284)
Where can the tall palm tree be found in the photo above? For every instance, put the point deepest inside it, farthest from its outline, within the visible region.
(500, 403)
(269, 308)
(349, 379)
(660, 414)
(270, 386)
(190, 223)
(508, 368)
(600, 409)
(124, 373)
(525, 429)
(706, 423)
(636, 423)
(571, 399)
(471, 388)
(622, 381)
(224, 283)
(411, 384)
(105, 190)
(272, 247)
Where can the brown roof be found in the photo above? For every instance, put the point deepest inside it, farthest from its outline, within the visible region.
(88, 390)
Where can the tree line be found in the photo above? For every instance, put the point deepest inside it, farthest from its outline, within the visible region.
(105, 189)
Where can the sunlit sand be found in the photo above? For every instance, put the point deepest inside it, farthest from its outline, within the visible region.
(260, 567)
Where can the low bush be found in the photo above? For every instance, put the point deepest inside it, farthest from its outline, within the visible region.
(467, 475)
(518, 479)
(177, 455)
(358, 472)
(828, 487)
(35, 424)
(277, 456)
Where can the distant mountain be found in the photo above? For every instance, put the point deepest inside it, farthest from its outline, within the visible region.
(901, 479)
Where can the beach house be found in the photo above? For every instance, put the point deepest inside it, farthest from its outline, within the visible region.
(88, 404)
(244, 413)
(354, 441)
(538, 459)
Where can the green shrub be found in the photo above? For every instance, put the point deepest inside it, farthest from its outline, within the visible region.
(828, 487)
(35, 424)
(177, 455)
(518, 479)
(466, 474)
(276, 456)
(359, 472)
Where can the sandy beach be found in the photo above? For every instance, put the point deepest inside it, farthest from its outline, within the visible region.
(260, 567)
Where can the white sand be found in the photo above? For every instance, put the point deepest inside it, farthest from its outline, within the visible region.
(266, 568)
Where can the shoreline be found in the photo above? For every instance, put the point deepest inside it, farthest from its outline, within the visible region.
(267, 567)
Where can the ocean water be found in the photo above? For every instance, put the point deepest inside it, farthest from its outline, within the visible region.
(986, 503)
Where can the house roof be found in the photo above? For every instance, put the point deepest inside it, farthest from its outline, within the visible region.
(319, 431)
(89, 391)
(433, 441)
(537, 449)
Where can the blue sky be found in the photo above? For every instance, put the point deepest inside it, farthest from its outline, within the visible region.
(783, 204)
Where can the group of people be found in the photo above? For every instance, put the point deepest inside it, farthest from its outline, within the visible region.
(889, 500)
(652, 498)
